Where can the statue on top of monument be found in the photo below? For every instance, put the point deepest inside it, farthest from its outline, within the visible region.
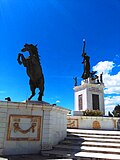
(33, 69)
(101, 77)
(75, 81)
(86, 62)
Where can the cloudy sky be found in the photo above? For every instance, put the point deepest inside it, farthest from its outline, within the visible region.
(111, 81)
(59, 27)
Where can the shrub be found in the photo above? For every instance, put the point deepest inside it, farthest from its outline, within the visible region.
(89, 112)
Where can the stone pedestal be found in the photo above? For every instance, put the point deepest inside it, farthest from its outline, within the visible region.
(93, 122)
(28, 128)
(89, 95)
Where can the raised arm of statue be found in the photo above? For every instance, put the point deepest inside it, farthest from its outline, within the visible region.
(84, 45)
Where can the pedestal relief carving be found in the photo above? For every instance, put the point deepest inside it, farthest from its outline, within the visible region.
(24, 127)
(18, 129)
(96, 125)
(72, 123)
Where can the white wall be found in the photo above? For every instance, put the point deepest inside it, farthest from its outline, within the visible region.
(84, 99)
(86, 90)
(27, 128)
(92, 122)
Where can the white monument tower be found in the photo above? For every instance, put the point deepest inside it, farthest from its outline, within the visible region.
(90, 94)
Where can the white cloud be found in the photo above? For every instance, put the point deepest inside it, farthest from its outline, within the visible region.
(112, 90)
(104, 66)
(111, 102)
(57, 101)
(112, 83)
(112, 80)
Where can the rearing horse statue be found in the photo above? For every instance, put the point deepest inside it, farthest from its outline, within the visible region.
(33, 69)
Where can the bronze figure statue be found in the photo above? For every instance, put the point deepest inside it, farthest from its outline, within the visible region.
(75, 81)
(8, 99)
(33, 69)
(101, 77)
(86, 62)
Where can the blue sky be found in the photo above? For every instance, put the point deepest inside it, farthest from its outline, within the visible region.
(58, 27)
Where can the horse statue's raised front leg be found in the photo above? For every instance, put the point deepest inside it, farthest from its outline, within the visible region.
(19, 58)
(22, 60)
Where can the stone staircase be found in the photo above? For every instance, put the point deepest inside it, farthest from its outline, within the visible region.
(87, 144)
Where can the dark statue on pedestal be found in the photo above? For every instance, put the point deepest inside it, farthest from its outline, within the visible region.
(33, 69)
(8, 99)
(86, 62)
(75, 81)
(101, 77)
(87, 74)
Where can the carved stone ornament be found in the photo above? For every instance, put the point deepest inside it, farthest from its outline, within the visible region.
(24, 128)
(18, 129)
(96, 125)
(72, 123)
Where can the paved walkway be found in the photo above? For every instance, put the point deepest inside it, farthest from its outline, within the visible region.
(24, 157)
(28, 157)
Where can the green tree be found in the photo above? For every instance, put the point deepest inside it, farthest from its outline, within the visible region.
(116, 111)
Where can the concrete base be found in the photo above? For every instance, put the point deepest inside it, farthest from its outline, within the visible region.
(89, 95)
(93, 122)
(29, 127)
(77, 113)
(37, 102)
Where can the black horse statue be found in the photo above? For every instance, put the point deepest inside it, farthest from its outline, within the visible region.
(33, 69)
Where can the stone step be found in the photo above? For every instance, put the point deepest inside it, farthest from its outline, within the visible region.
(100, 144)
(94, 135)
(71, 142)
(67, 147)
(87, 143)
(58, 153)
(3, 158)
(88, 148)
(79, 154)
(101, 149)
(93, 139)
(98, 132)
(97, 155)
